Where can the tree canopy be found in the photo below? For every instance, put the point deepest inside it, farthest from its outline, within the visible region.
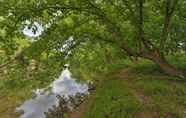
(138, 28)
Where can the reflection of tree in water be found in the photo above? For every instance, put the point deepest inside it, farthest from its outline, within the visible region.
(65, 106)
(47, 99)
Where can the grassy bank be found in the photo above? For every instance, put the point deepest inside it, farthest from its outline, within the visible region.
(138, 96)
(141, 91)
(113, 99)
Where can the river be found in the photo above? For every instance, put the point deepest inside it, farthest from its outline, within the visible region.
(46, 98)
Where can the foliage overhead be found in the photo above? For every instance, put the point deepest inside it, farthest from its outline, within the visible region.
(140, 28)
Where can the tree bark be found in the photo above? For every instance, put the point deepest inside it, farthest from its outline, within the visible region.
(169, 69)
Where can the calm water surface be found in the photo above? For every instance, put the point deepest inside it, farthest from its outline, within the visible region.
(46, 98)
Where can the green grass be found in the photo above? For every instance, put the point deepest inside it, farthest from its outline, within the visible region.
(119, 98)
(120, 64)
(167, 96)
(179, 60)
(153, 86)
(113, 99)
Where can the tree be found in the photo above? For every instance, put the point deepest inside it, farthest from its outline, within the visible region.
(140, 28)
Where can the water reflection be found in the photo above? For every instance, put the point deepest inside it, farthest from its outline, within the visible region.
(45, 99)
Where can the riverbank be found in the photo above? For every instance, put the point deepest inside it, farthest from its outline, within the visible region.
(126, 94)
(142, 91)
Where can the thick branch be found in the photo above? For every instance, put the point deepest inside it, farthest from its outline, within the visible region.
(114, 30)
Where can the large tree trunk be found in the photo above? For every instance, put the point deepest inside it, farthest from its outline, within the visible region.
(164, 65)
